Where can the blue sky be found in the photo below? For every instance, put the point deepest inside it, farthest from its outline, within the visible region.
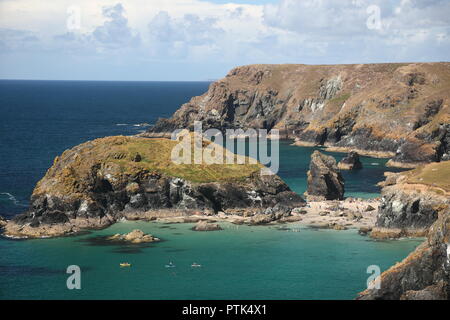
(202, 40)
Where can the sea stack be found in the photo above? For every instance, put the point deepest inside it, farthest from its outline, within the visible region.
(325, 181)
(350, 162)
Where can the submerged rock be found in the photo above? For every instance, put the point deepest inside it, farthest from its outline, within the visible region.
(325, 181)
(339, 227)
(350, 162)
(364, 231)
(2, 222)
(206, 226)
(135, 236)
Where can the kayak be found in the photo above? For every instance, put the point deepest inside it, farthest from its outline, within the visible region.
(125, 264)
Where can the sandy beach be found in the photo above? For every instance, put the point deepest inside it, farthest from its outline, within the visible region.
(339, 215)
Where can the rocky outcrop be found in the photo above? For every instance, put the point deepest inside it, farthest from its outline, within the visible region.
(206, 226)
(350, 162)
(376, 109)
(136, 236)
(424, 274)
(2, 222)
(95, 184)
(325, 182)
(408, 206)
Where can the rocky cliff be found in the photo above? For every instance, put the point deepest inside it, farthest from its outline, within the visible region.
(399, 111)
(325, 181)
(100, 181)
(412, 201)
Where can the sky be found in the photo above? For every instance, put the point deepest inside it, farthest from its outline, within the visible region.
(185, 40)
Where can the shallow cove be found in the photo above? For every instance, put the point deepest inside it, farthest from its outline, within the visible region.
(294, 163)
(239, 262)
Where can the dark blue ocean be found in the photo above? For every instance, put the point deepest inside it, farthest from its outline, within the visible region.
(40, 119)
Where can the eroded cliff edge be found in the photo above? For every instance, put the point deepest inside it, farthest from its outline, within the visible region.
(417, 202)
(398, 111)
(98, 182)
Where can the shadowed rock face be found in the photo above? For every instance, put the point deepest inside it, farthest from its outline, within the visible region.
(407, 210)
(350, 162)
(411, 201)
(393, 110)
(2, 221)
(324, 179)
(410, 208)
(424, 274)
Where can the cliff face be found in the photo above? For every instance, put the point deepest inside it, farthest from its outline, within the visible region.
(411, 201)
(417, 200)
(325, 181)
(98, 182)
(391, 110)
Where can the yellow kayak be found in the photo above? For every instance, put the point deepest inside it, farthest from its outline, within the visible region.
(125, 264)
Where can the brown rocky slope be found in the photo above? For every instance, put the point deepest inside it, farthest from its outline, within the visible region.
(417, 201)
(400, 111)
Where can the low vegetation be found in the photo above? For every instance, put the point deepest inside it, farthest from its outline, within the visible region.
(434, 175)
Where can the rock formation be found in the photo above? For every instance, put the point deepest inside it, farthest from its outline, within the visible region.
(423, 200)
(411, 201)
(206, 226)
(398, 111)
(136, 236)
(350, 162)
(2, 222)
(324, 179)
(100, 181)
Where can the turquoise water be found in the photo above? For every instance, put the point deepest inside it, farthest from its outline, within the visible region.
(239, 262)
(294, 163)
(40, 119)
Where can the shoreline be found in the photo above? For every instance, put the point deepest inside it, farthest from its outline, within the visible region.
(351, 213)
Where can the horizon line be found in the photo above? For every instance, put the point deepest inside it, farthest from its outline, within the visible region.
(96, 80)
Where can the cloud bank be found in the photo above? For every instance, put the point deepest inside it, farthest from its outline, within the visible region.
(199, 40)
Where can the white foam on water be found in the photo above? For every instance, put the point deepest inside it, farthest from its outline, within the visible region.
(13, 199)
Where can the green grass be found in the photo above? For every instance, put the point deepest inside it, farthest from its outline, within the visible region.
(156, 156)
(433, 174)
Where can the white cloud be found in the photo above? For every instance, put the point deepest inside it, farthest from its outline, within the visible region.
(220, 36)
(115, 31)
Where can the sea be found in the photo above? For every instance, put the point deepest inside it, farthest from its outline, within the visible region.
(41, 119)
